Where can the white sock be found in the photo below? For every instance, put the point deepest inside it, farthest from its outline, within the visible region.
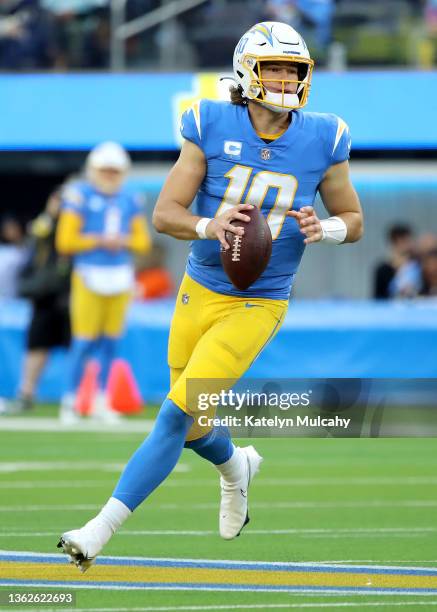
(114, 512)
(100, 402)
(110, 518)
(68, 402)
(233, 469)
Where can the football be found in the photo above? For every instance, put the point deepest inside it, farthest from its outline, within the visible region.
(249, 254)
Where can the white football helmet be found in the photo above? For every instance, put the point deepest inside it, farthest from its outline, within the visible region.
(109, 155)
(274, 42)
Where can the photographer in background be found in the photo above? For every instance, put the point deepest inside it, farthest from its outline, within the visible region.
(45, 281)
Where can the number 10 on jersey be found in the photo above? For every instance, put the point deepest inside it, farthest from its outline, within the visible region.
(239, 176)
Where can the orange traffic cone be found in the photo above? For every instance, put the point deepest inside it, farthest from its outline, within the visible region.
(123, 390)
(87, 388)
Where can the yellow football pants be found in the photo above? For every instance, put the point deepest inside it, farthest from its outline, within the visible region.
(94, 315)
(216, 336)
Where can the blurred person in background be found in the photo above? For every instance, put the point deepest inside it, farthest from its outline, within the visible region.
(431, 27)
(101, 226)
(83, 32)
(27, 36)
(311, 17)
(45, 281)
(407, 281)
(97, 43)
(13, 255)
(429, 273)
(96, 47)
(426, 249)
(286, 10)
(425, 242)
(399, 275)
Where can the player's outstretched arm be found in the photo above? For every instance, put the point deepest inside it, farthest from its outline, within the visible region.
(340, 200)
(171, 215)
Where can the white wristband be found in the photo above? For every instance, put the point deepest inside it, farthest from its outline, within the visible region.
(334, 230)
(201, 227)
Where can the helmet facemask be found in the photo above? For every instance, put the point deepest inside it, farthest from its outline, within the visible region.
(279, 101)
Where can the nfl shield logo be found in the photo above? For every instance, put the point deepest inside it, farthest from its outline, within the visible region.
(265, 154)
(185, 298)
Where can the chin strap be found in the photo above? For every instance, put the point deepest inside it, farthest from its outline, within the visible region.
(228, 78)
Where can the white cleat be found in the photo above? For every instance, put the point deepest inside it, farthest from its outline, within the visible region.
(67, 414)
(103, 412)
(69, 417)
(81, 547)
(108, 417)
(233, 507)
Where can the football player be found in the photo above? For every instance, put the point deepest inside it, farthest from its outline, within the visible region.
(261, 150)
(101, 225)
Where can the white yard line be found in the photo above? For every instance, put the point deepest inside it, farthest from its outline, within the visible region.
(269, 606)
(55, 484)
(265, 606)
(48, 424)
(71, 466)
(165, 587)
(49, 507)
(318, 482)
(358, 480)
(10, 467)
(338, 533)
(307, 505)
(378, 562)
(233, 562)
(212, 506)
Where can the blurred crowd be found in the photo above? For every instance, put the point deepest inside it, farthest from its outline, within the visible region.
(410, 269)
(76, 34)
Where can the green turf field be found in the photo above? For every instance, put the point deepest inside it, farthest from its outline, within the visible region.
(342, 502)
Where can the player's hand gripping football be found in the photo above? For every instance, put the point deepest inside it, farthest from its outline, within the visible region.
(217, 227)
(309, 223)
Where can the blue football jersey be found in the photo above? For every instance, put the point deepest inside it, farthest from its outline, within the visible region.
(278, 176)
(102, 214)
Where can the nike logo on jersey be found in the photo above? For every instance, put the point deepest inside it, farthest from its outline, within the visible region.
(249, 305)
(243, 492)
